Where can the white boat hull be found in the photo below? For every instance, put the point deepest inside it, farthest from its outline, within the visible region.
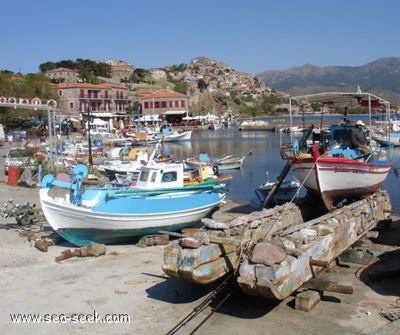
(335, 180)
(82, 225)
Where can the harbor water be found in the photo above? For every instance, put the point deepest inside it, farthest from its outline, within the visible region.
(261, 149)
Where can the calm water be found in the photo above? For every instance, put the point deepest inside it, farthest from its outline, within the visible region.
(264, 158)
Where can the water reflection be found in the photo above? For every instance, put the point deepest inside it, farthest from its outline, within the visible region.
(262, 151)
(260, 147)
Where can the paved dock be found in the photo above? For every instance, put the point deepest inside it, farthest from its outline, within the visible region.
(128, 286)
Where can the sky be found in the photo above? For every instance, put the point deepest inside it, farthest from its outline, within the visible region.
(251, 36)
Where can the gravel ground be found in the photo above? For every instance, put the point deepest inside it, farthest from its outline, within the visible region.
(128, 281)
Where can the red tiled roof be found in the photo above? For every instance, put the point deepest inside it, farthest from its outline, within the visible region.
(77, 85)
(164, 93)
(107, 85)
(93, 86)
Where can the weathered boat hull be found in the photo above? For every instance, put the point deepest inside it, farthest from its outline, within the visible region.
(334, 235)
(282, 228)
(210, 262)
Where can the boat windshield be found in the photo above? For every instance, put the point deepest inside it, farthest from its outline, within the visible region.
(340, 135)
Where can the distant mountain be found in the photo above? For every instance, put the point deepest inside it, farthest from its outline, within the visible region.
(381, 77)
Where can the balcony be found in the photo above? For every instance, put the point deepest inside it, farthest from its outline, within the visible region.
(96, 96)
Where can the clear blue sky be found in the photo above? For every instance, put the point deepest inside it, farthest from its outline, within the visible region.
(251, 36)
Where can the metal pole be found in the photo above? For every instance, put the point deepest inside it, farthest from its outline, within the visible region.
(88, 136)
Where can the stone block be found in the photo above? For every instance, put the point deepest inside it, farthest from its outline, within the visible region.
(305, 301)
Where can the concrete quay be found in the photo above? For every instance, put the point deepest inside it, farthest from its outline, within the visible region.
(72, 296)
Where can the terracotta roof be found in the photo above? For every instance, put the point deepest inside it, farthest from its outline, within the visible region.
(143, 92)
(78, 85)
(108, 85)
(93, 86)
(164, 93)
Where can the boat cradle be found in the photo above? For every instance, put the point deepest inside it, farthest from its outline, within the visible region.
(289, 246)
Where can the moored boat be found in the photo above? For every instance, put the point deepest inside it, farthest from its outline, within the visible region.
(285, 192)
(226, 162)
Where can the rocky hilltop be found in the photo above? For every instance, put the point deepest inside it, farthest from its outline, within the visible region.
(381, 77)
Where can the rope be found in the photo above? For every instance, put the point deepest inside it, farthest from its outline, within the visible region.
(305, 179)
(244, 249)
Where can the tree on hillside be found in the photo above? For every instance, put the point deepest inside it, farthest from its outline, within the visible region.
(87, 69)
(179, 68)
(202, 85)
(139, 75)
(181, 86)
(19, 86)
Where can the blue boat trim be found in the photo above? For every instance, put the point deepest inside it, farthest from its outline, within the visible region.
(82, 237)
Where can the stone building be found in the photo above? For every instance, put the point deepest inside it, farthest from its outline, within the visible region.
(62, 75)
(104, 100)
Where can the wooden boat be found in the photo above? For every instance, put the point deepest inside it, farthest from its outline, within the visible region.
(159, 201)
(130, 162)
(205, 173)
(256, 125)
(176, 136)
(333, 169)
(226, 162)
(277, 252)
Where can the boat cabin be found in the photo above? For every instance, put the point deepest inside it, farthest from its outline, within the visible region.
(160, 176)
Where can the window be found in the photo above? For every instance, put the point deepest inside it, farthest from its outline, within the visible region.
(144, 175)
(153, 177)
(169, 177)
(71, 105)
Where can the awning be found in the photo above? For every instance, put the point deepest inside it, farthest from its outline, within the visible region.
(174, 112)
(342, 98)
(102, 114)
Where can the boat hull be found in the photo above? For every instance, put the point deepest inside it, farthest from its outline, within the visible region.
(335, 179)
(179, 137)
(392, 138)
(116, 219)
(219, 164)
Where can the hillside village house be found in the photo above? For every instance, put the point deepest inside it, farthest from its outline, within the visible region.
(62, 74)
(163, 104)
(107, 101)
(110, 102)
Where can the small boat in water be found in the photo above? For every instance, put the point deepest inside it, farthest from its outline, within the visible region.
(226, 162)
(159, 201)
(285, 192)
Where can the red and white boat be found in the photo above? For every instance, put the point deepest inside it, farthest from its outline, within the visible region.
(331, 168)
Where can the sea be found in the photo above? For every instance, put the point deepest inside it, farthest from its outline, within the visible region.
(263, 160)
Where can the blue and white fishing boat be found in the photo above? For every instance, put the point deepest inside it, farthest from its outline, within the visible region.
(159, 201)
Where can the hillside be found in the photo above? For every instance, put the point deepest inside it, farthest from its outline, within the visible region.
(381, 77)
